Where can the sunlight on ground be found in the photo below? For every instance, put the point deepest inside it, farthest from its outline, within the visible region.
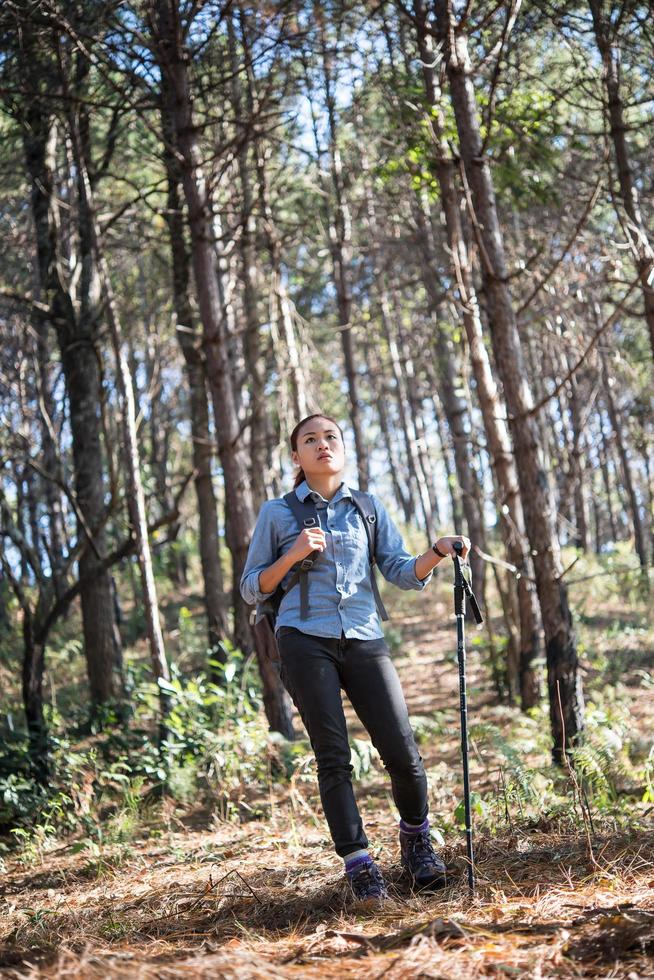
(186, 894)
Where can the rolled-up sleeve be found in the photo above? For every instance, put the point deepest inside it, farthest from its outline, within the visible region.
(394, 561)
(261, 555)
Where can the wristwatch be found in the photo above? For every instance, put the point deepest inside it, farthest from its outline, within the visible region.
(439, 553)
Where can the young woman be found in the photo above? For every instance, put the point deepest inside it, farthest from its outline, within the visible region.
(340, 644)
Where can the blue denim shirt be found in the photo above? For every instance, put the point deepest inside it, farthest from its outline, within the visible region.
(340, 596)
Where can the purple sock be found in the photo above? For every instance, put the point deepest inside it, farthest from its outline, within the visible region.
(353, 864)
(408, 828)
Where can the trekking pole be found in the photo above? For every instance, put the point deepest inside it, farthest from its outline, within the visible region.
(461, 590)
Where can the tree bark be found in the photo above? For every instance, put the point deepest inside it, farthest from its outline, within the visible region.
(209, 539)
(636, 228)
(51, 491)
(452, 485)
(511, 516)
(136, 496)
(33, 668)
(417, 490)
(250, 279)
(604, 460)
(625, 463)
(576, 466)
(172, 57)
(455, 409)
(564, 680)
(76, 337)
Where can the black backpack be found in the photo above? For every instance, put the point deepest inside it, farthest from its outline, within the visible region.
(306, 515)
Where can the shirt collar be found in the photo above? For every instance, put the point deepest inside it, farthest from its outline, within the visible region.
(303, 490)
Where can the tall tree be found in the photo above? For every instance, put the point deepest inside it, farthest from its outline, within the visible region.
(492, 409)
(189, 340)
(168, 39)
(607, 20)
(563, 677)
(72, 299)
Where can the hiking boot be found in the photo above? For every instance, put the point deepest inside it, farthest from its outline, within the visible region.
(421, 861)
(368, 886)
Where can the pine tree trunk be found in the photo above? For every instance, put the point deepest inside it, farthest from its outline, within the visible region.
(417, 489)
(577, 468)
(635, 226)
(452, 485)
(76, 335)
(604, 457)
(33, 668)
(239, 511)
(564, 680)
(455, 408)
(136, 496)
(287, 349)
(511, 517)
(209, 539)
(50, 461)
(625, 463)
(250, 282)
(417, 483)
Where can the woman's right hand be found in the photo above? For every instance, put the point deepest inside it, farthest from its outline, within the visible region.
(309, 539)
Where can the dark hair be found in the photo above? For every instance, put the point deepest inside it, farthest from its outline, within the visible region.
(299, 476)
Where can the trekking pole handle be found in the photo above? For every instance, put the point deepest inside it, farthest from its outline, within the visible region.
(462, 582)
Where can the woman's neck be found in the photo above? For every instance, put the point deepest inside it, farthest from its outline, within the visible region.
(326, 486)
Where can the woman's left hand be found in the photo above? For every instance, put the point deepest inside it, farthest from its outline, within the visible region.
(446, 545)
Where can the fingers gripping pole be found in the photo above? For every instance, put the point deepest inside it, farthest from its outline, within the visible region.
(461, 590)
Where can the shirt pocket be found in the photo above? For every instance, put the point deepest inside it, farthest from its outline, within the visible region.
(356, 546)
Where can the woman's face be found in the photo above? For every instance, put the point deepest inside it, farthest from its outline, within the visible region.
(320, 449)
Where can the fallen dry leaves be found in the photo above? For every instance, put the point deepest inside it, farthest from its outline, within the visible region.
(266, 899)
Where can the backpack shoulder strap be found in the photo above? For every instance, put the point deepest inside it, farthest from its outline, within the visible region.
(306, 515)
(304, 512)
(366, 508)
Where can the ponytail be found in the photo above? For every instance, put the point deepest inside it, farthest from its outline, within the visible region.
(299, 477)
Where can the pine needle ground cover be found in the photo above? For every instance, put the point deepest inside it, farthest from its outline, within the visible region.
(565, 862)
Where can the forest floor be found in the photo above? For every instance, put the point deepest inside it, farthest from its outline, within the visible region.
(192, 895)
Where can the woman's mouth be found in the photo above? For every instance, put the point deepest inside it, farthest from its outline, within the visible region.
(325, 456)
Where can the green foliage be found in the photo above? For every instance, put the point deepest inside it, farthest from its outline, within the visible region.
(520, 785)
(600, 759)
(393, 638)
(607, 773)
(363, 756)
(426, 727)
(648, 795)
(477, 807)
(216, 745)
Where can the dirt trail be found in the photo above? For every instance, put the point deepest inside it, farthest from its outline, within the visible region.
(194, 897)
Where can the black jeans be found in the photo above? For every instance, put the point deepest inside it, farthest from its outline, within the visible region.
(314, 669)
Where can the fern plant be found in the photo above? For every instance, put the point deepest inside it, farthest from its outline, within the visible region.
(600, 758)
